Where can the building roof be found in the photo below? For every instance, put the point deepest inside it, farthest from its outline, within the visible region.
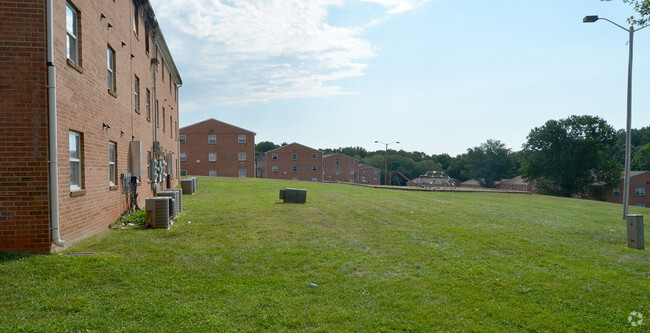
(334, 154)
(516, 181)
(292, 146)
(219, 123)
(159, 39)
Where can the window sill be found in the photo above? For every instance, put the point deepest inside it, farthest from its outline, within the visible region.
(112, 93)
(75, 66)
(112, 188)
(77, 193)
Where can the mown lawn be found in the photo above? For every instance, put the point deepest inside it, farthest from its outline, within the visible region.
(382, 260)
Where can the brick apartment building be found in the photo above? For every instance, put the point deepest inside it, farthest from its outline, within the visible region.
(89, 96)
(340, 168)
(214, 148)
(639, 184)
(369, 175)
(292, 162)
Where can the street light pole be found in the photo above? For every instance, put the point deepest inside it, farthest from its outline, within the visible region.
(628, 123)
(386, 160)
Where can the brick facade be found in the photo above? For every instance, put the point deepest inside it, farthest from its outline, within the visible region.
(340, 168)
(292, 162)
(84, 106)
(369, 175)
(639, 190)
(233, 150)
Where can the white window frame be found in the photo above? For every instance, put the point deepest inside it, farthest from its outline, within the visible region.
(241, 157)
(72, 29)
(110, 65)
(639, 191)
(136, 93)
(76, 170)
(212, 173)
(274, 156)
(314, 168)
(212, 157)
(241, 173)
(616, 191)
(314, 179)
(112, 153)
(274, 168)
(294, 168)
(314, 156)
(212, 139)
(241, 139)
(338, 163)
(294, 156)
(182, 157)
(148, 165)
(147, 104)
(182, 138)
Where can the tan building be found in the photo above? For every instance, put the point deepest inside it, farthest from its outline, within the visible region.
(340, 168)
(639, 184)
(369, 175)
(89, 104)
(515, 184)
(293, 162)
(214, 148)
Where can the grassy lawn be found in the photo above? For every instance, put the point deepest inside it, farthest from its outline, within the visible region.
(382, 260)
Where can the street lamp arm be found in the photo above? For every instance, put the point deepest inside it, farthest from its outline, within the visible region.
(618, 25)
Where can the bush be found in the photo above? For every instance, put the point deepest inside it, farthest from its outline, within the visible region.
(137, 218)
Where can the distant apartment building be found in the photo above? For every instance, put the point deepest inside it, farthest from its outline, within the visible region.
(369, 175)
(89, 103)
(340, 168)
(639, 184)
(217, 149)
(515, 184)
(291, 162)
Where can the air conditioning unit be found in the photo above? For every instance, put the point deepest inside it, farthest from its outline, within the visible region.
(157, 212)
(174, 197)
(179, 199)
(187, 185)
(293, 195)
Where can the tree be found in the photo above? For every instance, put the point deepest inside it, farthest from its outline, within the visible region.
(565, 157)
(264, 146)
(641, 159)
(640, 6)
(490, 162)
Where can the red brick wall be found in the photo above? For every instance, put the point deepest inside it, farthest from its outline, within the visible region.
(24, 223)
(369, 175)
(285, 163)
(227, 147)
(642, 180)
(83, 105)
(347, 170)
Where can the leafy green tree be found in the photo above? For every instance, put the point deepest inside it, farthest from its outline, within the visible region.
(641, 159)
(264, 146)
(458, 168)
(640, 6)
(565, 157)
(490, 162)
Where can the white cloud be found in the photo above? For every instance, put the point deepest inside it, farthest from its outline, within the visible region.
(245, 51)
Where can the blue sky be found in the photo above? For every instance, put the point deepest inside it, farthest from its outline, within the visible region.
(440, 76)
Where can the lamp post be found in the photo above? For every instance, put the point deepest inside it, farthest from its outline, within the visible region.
(628, 124)
(386, 160)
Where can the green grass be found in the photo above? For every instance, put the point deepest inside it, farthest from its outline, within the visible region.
(383, 260)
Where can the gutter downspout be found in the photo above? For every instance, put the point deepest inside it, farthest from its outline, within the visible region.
(52, 135)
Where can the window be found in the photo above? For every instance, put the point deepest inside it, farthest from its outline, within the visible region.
(136, 21)
(110, 65)
(212, 157)
(314, 179)
(183, 173)
(136, 93)
(183, 157)
(155, 107)
(75, 161)
(294, 168)
(242, 173)
(182, 139)
(338, 163)
(171, 129)
(338, 172)
(314, 156)
(147, 98)
(241, 139)
(212, 173)
(72, 27)
(146, 39)
(640, 205)
(294, 156)
(274, 168)
(616, 191)
(148, 165)
(352, 172)
(640, 191)
(163, 118)
(112, 147)
(274, 156)
(241, 156)
(212, 139)
(352, 163)
(314, 168)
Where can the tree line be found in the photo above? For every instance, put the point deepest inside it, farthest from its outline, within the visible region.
(563, 157)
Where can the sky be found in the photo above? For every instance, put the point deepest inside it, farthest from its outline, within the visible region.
(438, 76)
